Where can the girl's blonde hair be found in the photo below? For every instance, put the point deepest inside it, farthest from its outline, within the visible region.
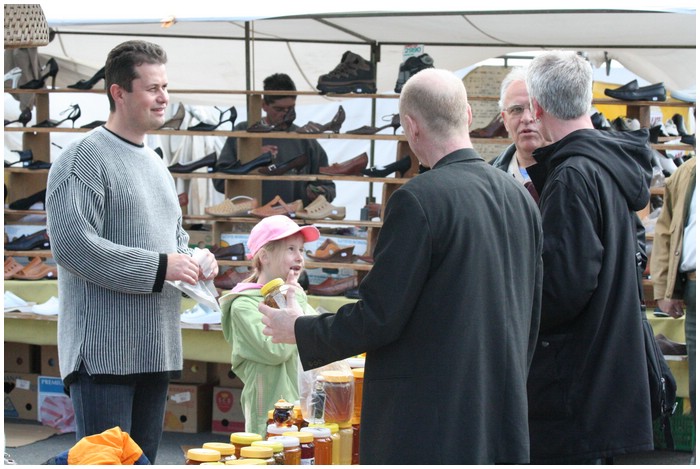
(272, 248)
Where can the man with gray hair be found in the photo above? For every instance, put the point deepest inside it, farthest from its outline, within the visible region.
(588, 389)
(448, 314)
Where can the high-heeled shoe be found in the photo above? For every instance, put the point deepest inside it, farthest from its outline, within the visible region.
(333, 125)
(13, 75)
(371, 130)
(277, 169)
(88, 84)
(25, 157)
(209, 160)
(24, 118)
(262, 160)
(233, 114)
(262, 126)
(176, 121)
(400, 166)
(37, 83)
(73, 115)
(27, 202)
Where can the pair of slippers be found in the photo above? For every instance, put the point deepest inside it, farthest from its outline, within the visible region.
(36, 269)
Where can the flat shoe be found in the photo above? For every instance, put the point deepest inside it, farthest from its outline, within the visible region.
(235, 252)
(351, 167)
(12, 267)
(341, 255)
(238, 206)
(277, 206)
(37, 269)
(325, 249)
(230, 278)
(334, 286)
(320, 208)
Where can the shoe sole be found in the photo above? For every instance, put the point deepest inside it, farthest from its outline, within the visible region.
(350, 87)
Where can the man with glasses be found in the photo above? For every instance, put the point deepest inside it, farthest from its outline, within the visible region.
(279, 117)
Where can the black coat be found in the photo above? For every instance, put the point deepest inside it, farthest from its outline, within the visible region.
(588, 387)
(448, 317)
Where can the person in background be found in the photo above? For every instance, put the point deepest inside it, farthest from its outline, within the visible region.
(448, 315)
(280, 113)
(269, 371)
(673, 257)
(588, 388)
(522, 129)
(116, 233)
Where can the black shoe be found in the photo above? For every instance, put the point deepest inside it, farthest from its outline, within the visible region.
(209, 160)
(235, 252)
(400, 166)
(233, 114)
(600, 122)
(262, 160)
(38, 240)
(88, 84)
(655, 92)
(352, 75)
(680, 125)
(410, 67)
(283, 168)
(24, 204)
(688, 140)
(93, 125)
(25, 157)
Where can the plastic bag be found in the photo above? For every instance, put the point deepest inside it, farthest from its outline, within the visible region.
(326, 394)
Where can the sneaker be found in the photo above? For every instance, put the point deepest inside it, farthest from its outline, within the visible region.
(410, 67)
(352, 75)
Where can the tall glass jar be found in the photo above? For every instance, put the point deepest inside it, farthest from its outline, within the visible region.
(292, 449)
(339, 388)
(345, 432)
(323, 444)
(306, 443)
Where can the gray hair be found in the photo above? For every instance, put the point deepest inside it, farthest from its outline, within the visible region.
(516, 74)
(562, 83)
(439, 98)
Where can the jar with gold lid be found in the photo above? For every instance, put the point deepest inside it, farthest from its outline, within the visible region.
(258, 452)
(339, 388)
(292, 449)
(227, 450)
(197, 456)
(277, 449)
(243, 439)
(274, 292)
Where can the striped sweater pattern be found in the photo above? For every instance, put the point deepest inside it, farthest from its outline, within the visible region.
(112, 215)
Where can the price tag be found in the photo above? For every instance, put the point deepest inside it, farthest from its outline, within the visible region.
(412, 50)
(181, 397)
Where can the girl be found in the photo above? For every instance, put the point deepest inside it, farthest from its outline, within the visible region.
(268, 371)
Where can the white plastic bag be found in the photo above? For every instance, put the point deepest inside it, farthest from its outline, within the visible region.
(326, 394)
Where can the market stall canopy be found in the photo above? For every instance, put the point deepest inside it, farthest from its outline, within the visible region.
(209, 46)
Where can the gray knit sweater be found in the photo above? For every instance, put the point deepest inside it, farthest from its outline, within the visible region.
(112, 217)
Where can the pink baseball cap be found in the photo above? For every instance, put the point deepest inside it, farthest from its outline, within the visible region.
(277, 227)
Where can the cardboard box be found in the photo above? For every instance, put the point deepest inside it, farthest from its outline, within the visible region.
(226, 377)
(200, 239)
(55, 407)
(188, 408)
(49, 360)
(21, 395)
(21, 358)
(197, 372)
(227, 413)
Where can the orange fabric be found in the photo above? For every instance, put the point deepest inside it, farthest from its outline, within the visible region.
(112, 446)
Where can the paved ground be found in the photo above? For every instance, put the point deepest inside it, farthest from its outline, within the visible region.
(173, 445)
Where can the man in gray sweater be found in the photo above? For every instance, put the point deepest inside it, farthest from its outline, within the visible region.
(116, 233)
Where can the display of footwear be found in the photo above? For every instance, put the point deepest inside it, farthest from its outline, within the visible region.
(687, 95)
(93, 124)
(401, 166)
(238, 206)
(410, 67)
(232, 115)
(36, 165)
(50, 307)
(352, 75)
(624, 124)
(320, 208)
(238, 168)
(334, 286)
(24, 157)
(208, 161)
(600, 122)
(201, 314)
(13, 75)
(277, 206)
(51, 68)
(38, 240)
(12, 267)
(655, 92)
(371, 130)
(316, 128)
(677, 119)
(176, 121)
(230, 278)
(324, 249)
(88, 84)
(36, 269)
(287, 121)
(351, 167)
(670, 128)
(670, 347)
(495, 129)
(332, 252)
(27, 202)
(12, 302)
(235, 252)
(283, 168)
(73, 115)
(24, 118)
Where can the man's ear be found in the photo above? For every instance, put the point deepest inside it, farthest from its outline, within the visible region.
(537, 110)
(469, 116)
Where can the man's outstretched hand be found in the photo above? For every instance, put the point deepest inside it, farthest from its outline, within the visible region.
(279, 323)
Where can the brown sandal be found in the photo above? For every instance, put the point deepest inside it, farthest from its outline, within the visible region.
(320, 208)
(335, 255)
(277, 206)
(238, 206)
(37, 269)
(12, 267)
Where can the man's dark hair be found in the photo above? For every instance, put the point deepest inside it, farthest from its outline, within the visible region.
(120, 68)
(278, 82)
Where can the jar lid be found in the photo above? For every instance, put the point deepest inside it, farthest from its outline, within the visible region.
(244, 437)
(259, 452)
(358, 372)
(273, 429)
(271, 285)
(304, 437)
(333, 376)
(284, 405)
(276, 446)
(203, 454)
(347, 424)
(318, 432)
(226, 449)
(287, 441)
(247, 462)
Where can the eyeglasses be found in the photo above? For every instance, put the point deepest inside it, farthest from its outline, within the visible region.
(516, 110)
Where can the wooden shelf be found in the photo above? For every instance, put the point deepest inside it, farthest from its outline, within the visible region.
(299, 220)
(32, 253)
(289, 177)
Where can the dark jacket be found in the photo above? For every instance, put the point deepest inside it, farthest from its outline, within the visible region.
(448, 317)
(502, 161)
(588, 387)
